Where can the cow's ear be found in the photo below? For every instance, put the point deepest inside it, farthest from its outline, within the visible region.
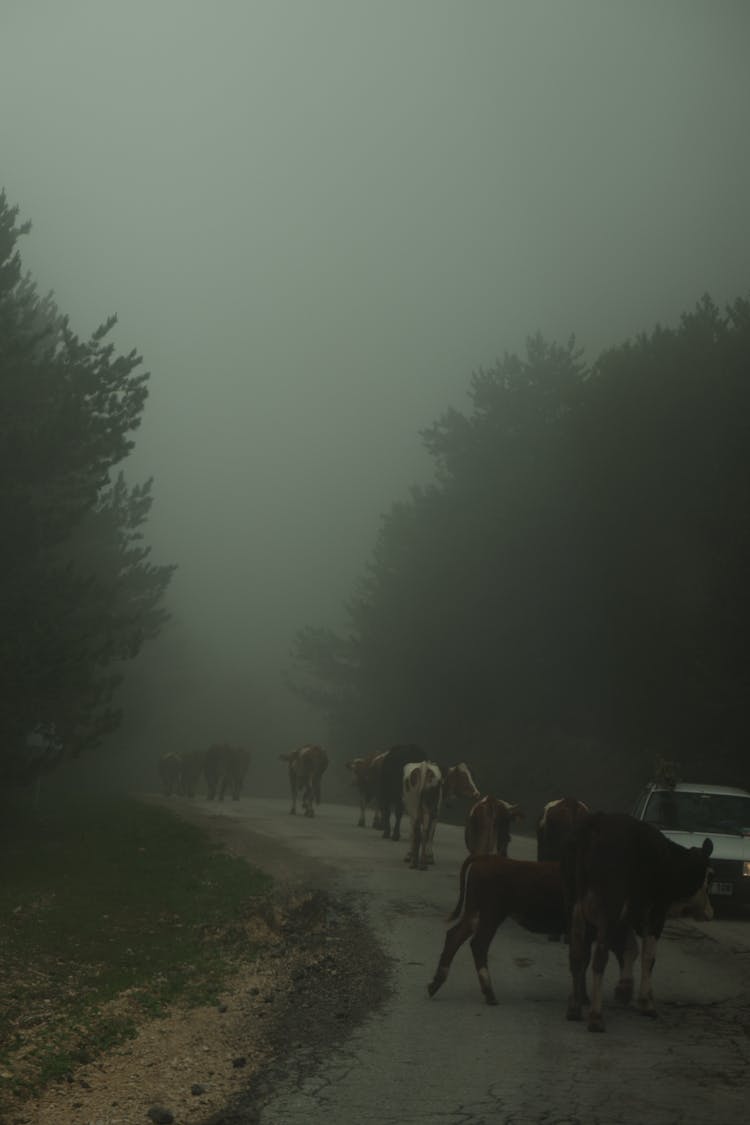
(707, 847)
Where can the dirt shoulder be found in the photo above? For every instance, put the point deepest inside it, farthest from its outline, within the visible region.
(321, 973)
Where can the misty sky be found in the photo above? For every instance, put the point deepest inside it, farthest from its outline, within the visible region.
(315, 219)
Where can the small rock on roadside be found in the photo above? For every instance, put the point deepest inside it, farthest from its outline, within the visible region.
(160, 1116)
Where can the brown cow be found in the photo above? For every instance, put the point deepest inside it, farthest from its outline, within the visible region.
(307, 764)
(366, 775)
(488, 826)
(459, 782)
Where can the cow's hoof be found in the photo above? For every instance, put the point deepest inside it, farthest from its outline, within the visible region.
(433, 986)
(650, 1013)
(574, 1012)
(596, 1023)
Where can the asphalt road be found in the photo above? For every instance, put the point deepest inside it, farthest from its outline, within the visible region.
(454, 1061)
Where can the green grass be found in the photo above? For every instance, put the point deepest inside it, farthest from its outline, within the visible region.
(103, 900)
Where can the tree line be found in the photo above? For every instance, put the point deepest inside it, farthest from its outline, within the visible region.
(568, 599)
(79, 595)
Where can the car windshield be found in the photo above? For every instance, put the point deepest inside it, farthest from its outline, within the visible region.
(699, 812)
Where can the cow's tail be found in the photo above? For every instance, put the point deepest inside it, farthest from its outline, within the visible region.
(460, 907)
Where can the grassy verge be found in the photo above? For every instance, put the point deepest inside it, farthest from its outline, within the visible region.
(109, 911)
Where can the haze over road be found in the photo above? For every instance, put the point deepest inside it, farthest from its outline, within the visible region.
(454, 1060)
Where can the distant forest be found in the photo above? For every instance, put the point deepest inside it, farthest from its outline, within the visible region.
(570, 598)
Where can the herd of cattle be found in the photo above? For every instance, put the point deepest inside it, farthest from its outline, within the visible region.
(601, 880)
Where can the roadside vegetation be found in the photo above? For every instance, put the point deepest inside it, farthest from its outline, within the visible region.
(110, 912)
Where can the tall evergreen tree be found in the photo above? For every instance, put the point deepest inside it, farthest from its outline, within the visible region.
(78, 594)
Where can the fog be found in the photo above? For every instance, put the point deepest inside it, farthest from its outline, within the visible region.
(314, 220)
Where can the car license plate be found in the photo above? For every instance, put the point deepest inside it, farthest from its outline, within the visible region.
(721, 889)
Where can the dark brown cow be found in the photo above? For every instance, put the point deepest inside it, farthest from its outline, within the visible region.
(621, 872)
(557, 823)
(488, 826)
(366, 776)
(493, 888)
(225, 767)
(192, 765)
(555, 827)
(307, 764)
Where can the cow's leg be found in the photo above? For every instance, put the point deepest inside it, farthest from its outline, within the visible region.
(398, 812)
(648, 959)
(579, 950)
(489, 920)
(626, 951)
(454, 939)
(308, 798)
(422, 841)
(429, 844)
(598, 965)
(412, 856)
(362, 806)
(385, 820)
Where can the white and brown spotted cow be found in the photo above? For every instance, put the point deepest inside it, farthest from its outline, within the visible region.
(488, 826)
(306, 764)
(422, 796)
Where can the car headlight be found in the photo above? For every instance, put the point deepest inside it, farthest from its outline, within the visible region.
(746, 867)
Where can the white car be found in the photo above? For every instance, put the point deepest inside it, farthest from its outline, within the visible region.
(687, 813)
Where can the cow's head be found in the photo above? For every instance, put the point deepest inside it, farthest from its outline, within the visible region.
(697, 905)
(458, 782)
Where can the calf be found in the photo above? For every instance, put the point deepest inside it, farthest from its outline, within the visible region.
(488, 826)
(366, 775)
(307, 764)
(493, 888)
(423, 790)
(622, 874)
